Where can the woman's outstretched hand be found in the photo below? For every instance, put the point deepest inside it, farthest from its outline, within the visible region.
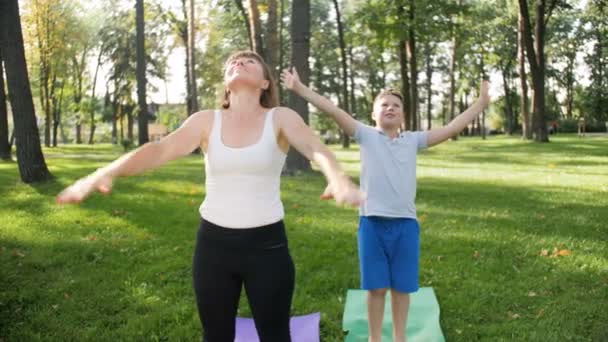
(344, 193)
(84, 187)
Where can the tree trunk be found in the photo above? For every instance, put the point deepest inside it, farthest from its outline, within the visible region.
(5, 148)
(191, 59)
(130, 110)
(411, 50)
(239, 4)
(281, 52)
(570, 85)
(525, 106)
(300, 51)
(536, 59)
(429, 90)
(32, 166)
(142, 117)
(256, 28)
(508, 103)
(183, 33)
(353, 100)
(405, 83)
(345, 95)
(57, 103)
(273, 39)
(453, 78)
(92, 108)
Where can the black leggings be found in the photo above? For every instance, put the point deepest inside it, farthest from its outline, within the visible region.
(224, 260)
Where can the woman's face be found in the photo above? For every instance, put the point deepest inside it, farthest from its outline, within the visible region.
(245, 71)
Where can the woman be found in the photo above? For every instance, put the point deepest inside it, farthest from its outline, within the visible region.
(241, 239)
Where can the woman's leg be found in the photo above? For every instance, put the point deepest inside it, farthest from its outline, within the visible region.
(269, 285)
(217, 291)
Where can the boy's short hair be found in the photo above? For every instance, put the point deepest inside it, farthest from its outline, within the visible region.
(389, 91)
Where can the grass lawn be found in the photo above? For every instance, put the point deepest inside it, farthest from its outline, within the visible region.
(514, 241)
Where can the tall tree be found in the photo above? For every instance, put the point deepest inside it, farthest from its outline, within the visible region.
(453, 64)
(141, 74)
(413, 65)
(523, 79)
(272, 41)
(245, 16)
(345, 94)
(596, 17)
(5, 147)
(256, 28)
(300, 51)
(192, 57)
(32, 166)
(535, 51)
(402, 50)
(428, 56)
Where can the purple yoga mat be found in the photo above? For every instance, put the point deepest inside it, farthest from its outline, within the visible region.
(303, 329)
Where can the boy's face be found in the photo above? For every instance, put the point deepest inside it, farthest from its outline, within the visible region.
(388, 112)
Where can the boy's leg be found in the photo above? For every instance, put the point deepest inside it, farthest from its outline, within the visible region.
(404, 265)
(374, 272)
(375, 313)
(400, 303)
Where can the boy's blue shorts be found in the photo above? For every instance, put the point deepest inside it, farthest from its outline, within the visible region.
(389, 252)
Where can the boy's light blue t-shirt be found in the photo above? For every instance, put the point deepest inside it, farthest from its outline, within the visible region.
(388, 171)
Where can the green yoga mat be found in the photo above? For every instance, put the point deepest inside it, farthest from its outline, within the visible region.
(422, 322)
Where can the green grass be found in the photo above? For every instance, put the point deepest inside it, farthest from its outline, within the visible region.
(118, 268)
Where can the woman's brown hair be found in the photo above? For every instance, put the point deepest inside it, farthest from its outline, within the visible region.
(269, 97)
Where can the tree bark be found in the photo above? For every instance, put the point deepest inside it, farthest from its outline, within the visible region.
(429, 79)
(141, 76)
(411, 51)
(192, 58)
(32, 166)
(5, 148)
(453, 61)
(523, 79)
(273, 39)
(300, 33)
(345, 95)
(239, 4)
(536, 59)
(256, 28)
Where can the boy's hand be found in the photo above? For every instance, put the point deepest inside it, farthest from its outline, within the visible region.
(291, 79)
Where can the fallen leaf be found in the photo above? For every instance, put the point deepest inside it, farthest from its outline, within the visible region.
(459, 332)
(540, 313)
(564, 252)
(55, 306)
(439, 257)
(544, 252)
(514, 316)
(422, 218)
(118, 212)
(531, 294)
(17, 253)
(92, 237)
